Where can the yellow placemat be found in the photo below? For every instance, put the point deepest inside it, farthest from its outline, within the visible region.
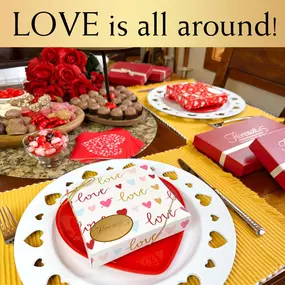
(188, 128)
(256, 257)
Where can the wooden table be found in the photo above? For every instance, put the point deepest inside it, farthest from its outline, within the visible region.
(260, 181)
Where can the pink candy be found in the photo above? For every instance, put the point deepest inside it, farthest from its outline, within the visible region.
(33, 144)
(43, 132)
(55, 140)
(40, 151)
(50, 151)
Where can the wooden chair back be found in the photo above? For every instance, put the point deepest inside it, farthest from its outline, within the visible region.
(261, 67)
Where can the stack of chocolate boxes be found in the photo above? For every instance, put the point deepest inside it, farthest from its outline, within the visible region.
(247, 146)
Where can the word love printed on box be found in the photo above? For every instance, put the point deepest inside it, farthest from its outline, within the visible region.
(124, 211)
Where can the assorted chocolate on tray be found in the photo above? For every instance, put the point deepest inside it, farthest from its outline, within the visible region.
(124, 104)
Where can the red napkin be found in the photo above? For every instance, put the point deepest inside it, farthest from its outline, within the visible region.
(115, 143)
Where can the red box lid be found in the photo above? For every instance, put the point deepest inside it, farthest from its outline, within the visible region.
(159, 73)
(229, 145)
(270, 150)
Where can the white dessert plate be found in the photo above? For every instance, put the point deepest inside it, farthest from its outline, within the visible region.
(232, 107)
(193, 256)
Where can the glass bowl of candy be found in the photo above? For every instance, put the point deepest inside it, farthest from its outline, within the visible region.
(48, 146)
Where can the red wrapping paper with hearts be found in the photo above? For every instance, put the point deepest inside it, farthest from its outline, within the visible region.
(115, 143)
(195, 95)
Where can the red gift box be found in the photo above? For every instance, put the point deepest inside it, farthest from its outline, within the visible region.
(159, 73)
(229, 145)
(129, 73)
(270, 151)
(196, 95)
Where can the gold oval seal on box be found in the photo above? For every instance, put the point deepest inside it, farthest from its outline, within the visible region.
(111, 228)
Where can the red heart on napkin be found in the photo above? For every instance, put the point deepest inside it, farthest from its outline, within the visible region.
(115, 143)
(152, 259)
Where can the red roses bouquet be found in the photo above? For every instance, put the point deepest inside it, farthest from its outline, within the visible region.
(61, 72)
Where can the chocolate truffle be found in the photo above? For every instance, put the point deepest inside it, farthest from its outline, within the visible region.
(121, 88)
(117, 92)
(117, 101)
(122, 96)
(75, 101)
(102, 91)
(103, 112)
(27, 120)
(130, 113)
(2, 129)
(91, 100)
(31, 128)
(93, 108)
(139, 108)
(128, 92)
(16, 129)
(127, 102)
(117, 114)
(84, 97)
(133, 98)
(83, 105)
(13, 113)
(123, 107)
(111, 89)
(93, 94)
(102, 101)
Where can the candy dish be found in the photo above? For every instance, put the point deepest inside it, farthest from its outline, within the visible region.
(48, 146)
(195, 251)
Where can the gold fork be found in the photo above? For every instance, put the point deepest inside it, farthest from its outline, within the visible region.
(8, 224)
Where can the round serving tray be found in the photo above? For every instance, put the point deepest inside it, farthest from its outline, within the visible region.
(7, 141)
(117, 123)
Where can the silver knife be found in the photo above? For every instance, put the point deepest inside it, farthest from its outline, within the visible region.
(259, 230)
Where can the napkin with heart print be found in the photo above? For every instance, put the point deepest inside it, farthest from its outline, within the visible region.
(115, 143)
(125, 210)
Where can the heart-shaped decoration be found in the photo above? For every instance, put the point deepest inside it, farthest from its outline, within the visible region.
(122, 212)
(145, 167)
(151, 176)
(39, 263)
(147, 204)
(79, 212)
(172, 175)
(184, 224)
(90, 244)
(119, 186)
(55, 279)
(157, 200)
(34, 239)
(142, 178)
(51, 198)
(106, 203)
(217, 240)
(204, 199)
(91, 208)
(131, 181)
(156, 187)
(68, 184)
(89, 174)
(106, 145)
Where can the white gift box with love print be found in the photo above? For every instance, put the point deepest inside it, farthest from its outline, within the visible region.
(124, 211)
